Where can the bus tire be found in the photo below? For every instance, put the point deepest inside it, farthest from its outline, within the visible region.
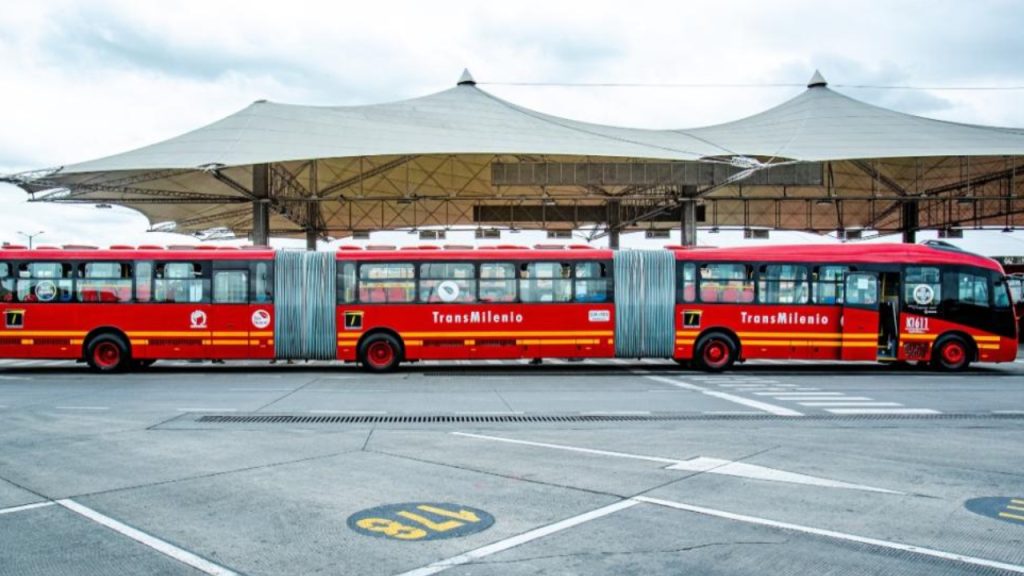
(380, 353)
(715, 352)
(108, 353)
(951, 354)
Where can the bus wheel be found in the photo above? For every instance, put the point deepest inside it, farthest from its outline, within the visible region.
(715, 352)
(107, 353)
(951, 354)
(380, 353)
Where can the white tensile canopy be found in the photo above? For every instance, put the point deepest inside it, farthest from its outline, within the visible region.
(462, 157)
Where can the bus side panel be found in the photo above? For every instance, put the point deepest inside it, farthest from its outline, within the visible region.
(918, 334)
(493, 331)
(764, 331)
(45, 331)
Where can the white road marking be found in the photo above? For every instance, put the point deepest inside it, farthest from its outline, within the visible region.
(770, 408)
(491, 413)
(894, 411)
(850, 404)
(617, 413)
(179, 554)
(951, 556)
(82, 407)
(755, 472)
(569, 448)
(26, 507)
(730, 412)
(811, 397)
(502, 545)
(368, 412)
(14, 378)
(262, 389)
(699, 464)
(1008, 411)
(797, 394)
(207, 409)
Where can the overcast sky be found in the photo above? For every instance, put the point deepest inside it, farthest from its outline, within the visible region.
(87, 79)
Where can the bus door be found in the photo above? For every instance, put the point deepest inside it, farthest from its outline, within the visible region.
(229, 313)
(261, 309)
(860, 321)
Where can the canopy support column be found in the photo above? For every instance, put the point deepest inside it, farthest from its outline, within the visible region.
(614, 217)
(909, 221)
(688, 222)
(260, 205)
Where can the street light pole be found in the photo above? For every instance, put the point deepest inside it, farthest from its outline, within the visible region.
(31, 236)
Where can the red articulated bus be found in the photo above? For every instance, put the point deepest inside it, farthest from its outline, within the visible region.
(127, 307)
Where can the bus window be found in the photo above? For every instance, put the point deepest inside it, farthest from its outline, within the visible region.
(972, 288)
(828, 284)
(862, 289)
(230, 287)
(726, 283)
(1001, 291)
(387, 282)
(688, 285)
(782, 284)
(922, 287)
(263, 284)
(143, 281)
(447, 282)
(346, 282)
(545, 282)
(497, 282)
(6, 283)
(592, 282)
(180, 282)
(44, 282)
(104, 282)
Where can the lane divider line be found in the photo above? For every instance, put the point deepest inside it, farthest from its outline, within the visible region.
(750, 403)
(161, 546)
(535, 534)
(596, 452)
(951, 556)
(32, 506)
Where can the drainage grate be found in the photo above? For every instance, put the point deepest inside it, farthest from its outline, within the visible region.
(565, 418)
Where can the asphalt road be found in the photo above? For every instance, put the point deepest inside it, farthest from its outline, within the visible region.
(506, 468)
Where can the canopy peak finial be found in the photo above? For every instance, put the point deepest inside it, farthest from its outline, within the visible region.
(817, 81)
(466, 79)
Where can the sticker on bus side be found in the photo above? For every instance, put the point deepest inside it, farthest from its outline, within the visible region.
(261, 319)
(599, 315)
(353, 319)
(14, 318)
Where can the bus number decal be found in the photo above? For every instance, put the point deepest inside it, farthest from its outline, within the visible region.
(420, 521)
(691, 318)
(353, 320)
(599, 315)
(14, 318)
(917, 324)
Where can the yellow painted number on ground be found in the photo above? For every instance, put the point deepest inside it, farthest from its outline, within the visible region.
(464, 515)
(430, 524)
(391, 528)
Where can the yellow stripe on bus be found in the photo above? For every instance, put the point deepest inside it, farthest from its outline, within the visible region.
(229, 334)
(527, 334)
(230, 342)
(151, 334)
(918, 336)
(552, 342)
(37, 333)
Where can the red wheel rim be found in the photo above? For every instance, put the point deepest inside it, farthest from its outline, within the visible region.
(953, 353)
(106, 355)
(716, 353)
(380, 354)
